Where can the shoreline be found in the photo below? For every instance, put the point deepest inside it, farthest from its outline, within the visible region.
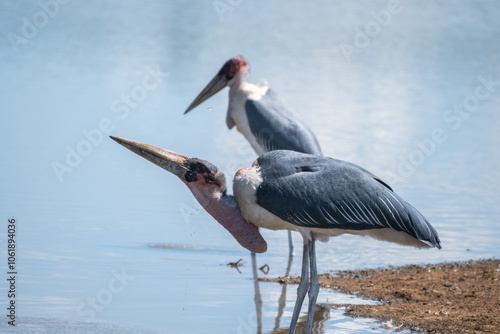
(454, 297)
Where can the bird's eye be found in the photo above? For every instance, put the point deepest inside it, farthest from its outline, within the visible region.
(191, 176)
(224, 71)
(210, 179)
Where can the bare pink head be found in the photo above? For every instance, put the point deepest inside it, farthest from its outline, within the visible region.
(232, 68)
(208, 186)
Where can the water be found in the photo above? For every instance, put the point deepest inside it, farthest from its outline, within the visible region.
(130, 69)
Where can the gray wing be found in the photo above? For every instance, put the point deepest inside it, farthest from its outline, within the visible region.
(276, 127)
(320, 192)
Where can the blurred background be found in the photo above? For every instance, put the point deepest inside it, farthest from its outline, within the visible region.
(107, 242)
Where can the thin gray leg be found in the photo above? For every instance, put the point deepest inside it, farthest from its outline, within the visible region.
(313, 285)
(290, 243)
(303, 287)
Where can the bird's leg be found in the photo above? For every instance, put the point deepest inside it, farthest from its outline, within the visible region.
(303, 287)
(289, 264)
(313, 285)
(290, 254)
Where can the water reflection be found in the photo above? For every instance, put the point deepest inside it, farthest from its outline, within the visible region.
(282, 299)
(258, 298)
(321, 315)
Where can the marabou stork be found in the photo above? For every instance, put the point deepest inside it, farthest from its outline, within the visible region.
(317, 196)
(265, 120)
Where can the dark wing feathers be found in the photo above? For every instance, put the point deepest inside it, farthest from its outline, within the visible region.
(276, 127)
(321, 192)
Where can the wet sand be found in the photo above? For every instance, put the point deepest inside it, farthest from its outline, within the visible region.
(459, 297)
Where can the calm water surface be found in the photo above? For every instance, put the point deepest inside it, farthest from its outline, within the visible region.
(89, 69)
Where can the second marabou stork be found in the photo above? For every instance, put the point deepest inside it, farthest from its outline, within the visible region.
(317, 196)
(263, 118)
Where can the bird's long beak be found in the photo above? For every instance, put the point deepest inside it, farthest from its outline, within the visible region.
(168, 160)
(214, 86)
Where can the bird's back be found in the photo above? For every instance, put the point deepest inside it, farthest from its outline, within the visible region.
(313, 191)
(276, 127)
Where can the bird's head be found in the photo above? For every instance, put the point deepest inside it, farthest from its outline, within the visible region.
(208, 186)
(195, 173)
(232, 68)
(233, 71)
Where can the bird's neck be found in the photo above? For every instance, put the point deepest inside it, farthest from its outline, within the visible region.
(236, 84)
(234, 89)
(225, 210)
(239, 91)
